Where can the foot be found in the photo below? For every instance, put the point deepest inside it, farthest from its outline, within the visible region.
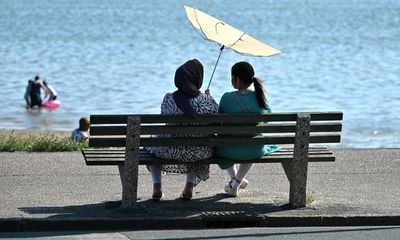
(187, 192)
(231, 191)
(243, 183)
(157, 192)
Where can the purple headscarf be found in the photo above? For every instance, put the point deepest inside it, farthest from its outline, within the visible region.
(188, 80)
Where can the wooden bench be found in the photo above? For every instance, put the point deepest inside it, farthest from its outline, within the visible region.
(119, 140)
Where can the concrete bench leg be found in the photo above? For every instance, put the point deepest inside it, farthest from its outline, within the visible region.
(296, 170)
(131, 166)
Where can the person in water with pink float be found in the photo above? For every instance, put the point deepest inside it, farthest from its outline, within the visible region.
(50, 92)
(34, 88)
(34, 97)
(50, 101)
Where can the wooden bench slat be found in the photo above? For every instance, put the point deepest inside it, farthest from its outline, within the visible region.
(212, 129)
(157, 161)
(141, 150)
(156, 118)
(149, 157)
(93, 156)
(107, 156)
(211, 141)
(122, 156)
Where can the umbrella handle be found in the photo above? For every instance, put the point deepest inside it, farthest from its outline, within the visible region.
(221, 49)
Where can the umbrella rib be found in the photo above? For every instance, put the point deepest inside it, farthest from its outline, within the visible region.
(231, 45)
(204, 36)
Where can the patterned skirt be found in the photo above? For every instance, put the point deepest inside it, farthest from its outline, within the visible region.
(184, 154)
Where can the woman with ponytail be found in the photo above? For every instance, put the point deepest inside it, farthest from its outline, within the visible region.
(243, 100)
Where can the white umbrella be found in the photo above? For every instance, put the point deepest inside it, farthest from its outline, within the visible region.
(218, 31)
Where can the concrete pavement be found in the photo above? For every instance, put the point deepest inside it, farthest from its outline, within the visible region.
(57, 191)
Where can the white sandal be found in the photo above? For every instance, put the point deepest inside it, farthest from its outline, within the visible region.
(231, 191)
(243, 183)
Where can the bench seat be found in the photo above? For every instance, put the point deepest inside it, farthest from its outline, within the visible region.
(100, 157)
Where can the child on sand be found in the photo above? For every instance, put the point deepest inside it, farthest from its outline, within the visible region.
(81, 134)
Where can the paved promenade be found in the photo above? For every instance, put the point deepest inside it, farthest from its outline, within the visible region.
(57, 191)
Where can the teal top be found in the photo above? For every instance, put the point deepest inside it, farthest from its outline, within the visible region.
(230, 104)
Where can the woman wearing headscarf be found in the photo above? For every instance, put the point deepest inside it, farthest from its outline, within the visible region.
(188, 100)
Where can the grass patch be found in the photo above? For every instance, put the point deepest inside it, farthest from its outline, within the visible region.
(38, 143)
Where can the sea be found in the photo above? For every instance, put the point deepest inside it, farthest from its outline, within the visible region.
(105, 56)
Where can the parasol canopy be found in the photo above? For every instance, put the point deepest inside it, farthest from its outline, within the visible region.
(222, 33)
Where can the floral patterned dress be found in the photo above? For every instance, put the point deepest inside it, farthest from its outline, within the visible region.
(202, 104)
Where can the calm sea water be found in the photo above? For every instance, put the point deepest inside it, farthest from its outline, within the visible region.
(107, 56)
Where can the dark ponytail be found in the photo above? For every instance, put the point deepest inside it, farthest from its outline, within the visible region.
(245, 72)
(260, 93)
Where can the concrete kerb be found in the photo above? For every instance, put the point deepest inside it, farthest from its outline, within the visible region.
(27, 225)
(330, 221)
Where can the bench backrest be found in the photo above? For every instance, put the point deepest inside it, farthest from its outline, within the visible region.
(276, 128)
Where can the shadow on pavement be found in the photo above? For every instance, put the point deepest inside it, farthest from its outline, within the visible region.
(148, 208)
